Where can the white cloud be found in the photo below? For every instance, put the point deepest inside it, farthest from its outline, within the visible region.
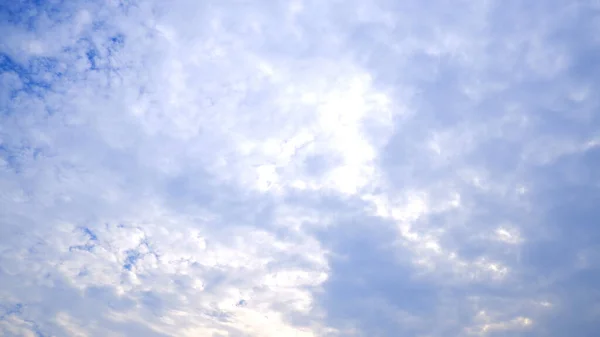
(296, 168)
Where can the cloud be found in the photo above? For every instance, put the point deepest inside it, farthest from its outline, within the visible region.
(298, 168)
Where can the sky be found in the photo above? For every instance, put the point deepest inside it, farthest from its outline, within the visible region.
(301, 168)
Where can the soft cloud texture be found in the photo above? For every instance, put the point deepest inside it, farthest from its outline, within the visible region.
(299, 168)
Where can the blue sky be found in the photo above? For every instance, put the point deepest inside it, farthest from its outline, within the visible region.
(299, 168)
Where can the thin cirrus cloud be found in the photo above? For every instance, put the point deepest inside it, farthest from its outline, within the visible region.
(298, 168)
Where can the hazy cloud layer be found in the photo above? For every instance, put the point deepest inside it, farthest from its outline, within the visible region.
(299, 168)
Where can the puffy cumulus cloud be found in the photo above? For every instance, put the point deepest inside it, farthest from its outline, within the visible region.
(298, 168)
